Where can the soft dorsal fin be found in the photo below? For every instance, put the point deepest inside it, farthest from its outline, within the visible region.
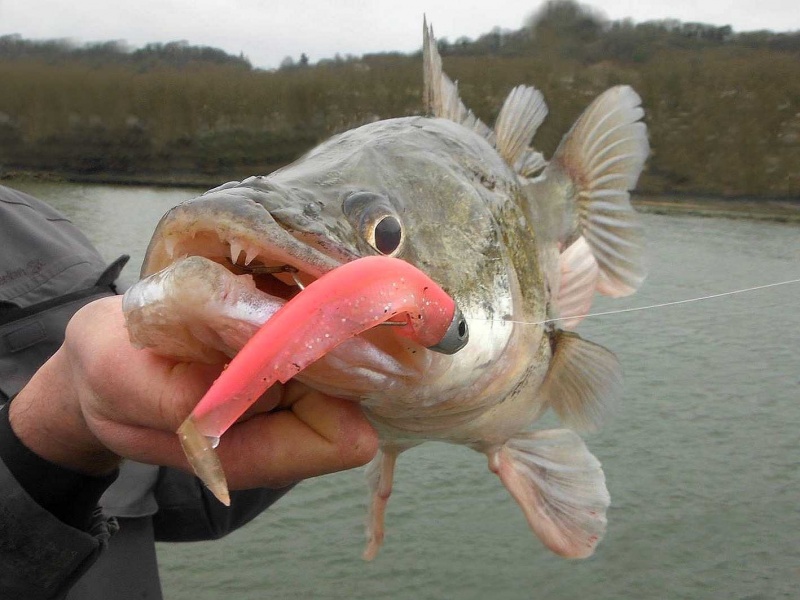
(519, 118)
(441, 94)
(530, 163)
(523, 111)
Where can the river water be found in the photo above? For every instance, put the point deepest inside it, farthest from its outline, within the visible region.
(702, 459)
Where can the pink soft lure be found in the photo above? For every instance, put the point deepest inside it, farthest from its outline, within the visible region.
(338, 306)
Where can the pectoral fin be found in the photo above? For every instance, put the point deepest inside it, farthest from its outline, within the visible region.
(560, 487)
(583, 381)
(578, 283)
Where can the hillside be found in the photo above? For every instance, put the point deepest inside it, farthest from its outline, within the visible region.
(723, 108)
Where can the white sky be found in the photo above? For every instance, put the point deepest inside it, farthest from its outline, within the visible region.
(267, 31)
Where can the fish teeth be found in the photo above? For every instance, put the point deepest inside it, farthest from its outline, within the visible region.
(236, 250)
(250, 254)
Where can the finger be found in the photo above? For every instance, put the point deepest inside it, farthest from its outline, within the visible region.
(268, 401)
(127, 385)
(319, 435)
(147, 445)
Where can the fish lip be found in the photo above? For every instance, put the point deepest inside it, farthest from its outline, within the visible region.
(272, 270)
(230, 228)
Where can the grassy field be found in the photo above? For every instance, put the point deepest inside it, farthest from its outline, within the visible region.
(722, 109)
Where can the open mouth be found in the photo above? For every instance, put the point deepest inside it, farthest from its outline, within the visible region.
(336, 308)
(205, 293)
(220, 267)
(273, 270)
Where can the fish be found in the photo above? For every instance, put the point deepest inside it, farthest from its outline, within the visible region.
(521, 243)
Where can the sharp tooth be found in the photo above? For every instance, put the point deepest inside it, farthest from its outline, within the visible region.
(250, 254)
(236, 250)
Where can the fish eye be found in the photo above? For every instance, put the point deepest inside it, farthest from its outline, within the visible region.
(376, 220)
(387, 235)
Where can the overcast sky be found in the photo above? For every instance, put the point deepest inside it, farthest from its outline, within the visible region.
(267, 31)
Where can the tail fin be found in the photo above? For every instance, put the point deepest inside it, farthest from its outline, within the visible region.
(560, 487)
(587, 183)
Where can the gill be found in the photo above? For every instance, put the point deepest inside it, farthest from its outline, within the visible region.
(642, 308)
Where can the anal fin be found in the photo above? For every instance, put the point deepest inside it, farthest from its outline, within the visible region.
(583, 382)
(560, 487)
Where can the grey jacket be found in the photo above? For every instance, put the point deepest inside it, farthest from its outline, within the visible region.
(48, 270)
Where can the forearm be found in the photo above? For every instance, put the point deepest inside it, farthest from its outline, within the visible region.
(46, 417)
(69, 495)
(52, 474)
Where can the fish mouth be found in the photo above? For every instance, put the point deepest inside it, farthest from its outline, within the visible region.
(272, 271)
(216, 270)
(231, 229)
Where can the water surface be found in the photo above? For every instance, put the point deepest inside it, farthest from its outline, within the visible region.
(702, 458)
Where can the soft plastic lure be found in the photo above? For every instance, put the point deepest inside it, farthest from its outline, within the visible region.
(341, 304)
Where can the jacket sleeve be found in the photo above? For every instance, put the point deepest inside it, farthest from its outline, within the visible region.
(188, 512)
(41, 556)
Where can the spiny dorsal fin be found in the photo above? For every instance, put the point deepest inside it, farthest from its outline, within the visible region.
(582, 383)
(519, 118)
(602, 157)
(521, 114)
(440, 94)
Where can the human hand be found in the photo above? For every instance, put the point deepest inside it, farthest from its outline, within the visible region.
(99, 399)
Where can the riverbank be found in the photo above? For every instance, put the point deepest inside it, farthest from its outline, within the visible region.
(179, 180)
(781, 210)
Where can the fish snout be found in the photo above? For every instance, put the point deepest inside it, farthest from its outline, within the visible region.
(233, 226)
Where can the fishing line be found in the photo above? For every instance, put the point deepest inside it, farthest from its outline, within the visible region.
(648, 307)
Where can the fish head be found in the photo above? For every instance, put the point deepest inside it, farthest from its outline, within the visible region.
(424, 190)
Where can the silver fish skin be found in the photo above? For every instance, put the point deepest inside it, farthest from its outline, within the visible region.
(522, 244)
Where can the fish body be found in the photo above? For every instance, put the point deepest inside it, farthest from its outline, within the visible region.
(520, 244)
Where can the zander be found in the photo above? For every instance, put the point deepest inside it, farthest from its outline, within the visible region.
(520, 244)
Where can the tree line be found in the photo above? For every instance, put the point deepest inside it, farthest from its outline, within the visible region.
(723, 108)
